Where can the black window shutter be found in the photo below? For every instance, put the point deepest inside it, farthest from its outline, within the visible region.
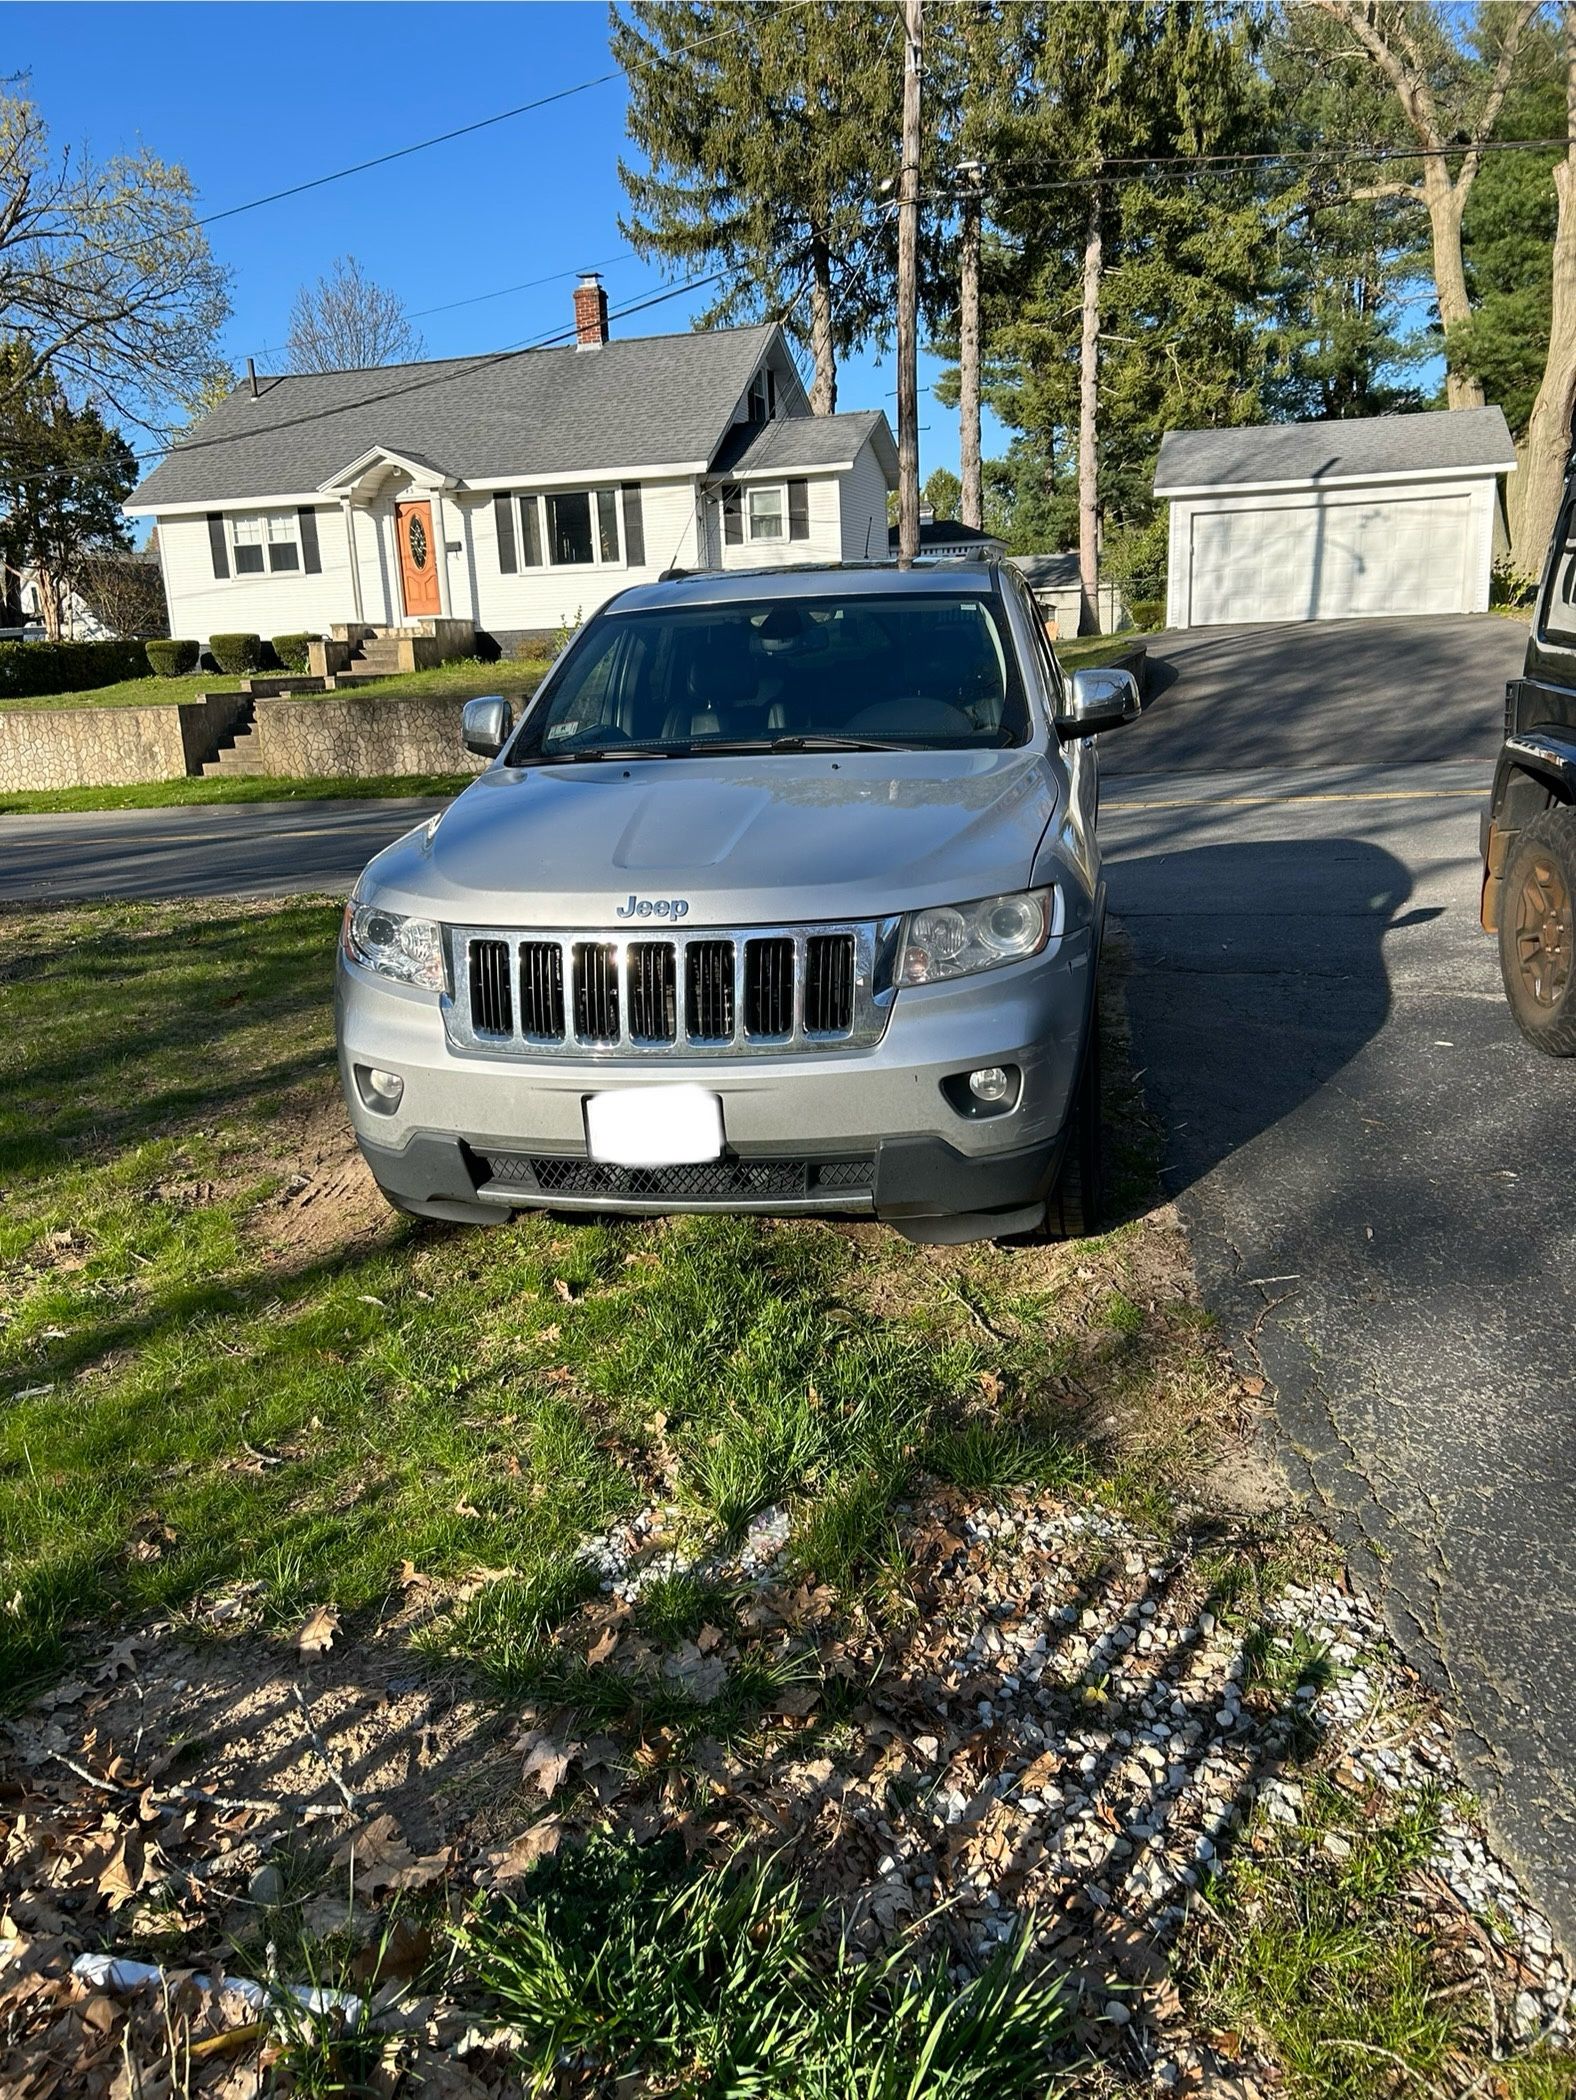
(503, 514)
(531, 526)
(798, 510)
(732, 513)
(216, 543)
(311, 560)
(634, 526)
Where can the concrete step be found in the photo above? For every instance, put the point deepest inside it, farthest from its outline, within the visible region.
(240, 755)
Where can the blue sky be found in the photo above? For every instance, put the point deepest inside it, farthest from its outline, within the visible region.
(253, 98)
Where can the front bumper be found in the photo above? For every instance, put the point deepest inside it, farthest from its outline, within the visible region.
(866, 1131)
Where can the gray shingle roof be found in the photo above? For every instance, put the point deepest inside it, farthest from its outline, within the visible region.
(1466, 438)
(641, 401)
(794, 444)
(945, 532)
(1047, 572)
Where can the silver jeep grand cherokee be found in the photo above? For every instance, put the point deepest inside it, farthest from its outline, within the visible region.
(782, 896)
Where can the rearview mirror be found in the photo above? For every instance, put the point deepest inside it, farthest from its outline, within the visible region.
(1102, 698)
(485, 726)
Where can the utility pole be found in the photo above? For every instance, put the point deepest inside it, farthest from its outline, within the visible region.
(908, 296)
(971, 175)
(1088, 424)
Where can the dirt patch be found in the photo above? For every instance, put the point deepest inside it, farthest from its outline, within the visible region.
(330, 1201)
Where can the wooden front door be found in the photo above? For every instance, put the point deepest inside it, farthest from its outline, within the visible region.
(418, 559)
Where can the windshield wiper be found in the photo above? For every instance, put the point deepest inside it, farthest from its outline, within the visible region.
(815, 742)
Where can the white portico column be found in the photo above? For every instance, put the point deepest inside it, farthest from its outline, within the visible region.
(355, 563)
(440, 532)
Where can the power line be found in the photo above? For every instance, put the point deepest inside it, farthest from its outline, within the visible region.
(470, 367)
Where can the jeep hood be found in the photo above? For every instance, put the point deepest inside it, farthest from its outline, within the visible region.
(742, 841)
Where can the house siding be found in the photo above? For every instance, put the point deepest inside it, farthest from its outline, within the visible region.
(464, 524)
(864, 510)
(824, 543)
(202, 604)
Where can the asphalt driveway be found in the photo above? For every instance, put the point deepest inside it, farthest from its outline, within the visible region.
(1365, 692)
(1377, 1173)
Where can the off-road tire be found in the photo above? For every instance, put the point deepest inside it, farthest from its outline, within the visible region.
(1537, 932)
(1076, 1205)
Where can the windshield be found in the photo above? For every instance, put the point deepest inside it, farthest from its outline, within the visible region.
(907, 671)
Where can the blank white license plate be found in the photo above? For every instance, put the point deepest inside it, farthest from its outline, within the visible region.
(654, 1126)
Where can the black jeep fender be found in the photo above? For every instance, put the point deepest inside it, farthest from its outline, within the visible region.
(1536, 771)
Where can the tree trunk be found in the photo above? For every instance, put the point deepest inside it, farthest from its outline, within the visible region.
(823, 392)
(1088, 428)
(908, 295)
(972, 504)
(1446, 204)
(1533, 496)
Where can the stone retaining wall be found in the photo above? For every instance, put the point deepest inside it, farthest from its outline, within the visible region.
(66, 747)
(344, 734)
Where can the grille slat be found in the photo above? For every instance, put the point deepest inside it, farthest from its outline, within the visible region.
(596, 991)
(492, 1008)
(829, 983)
(542, 991)
(708, 991)
(653, 992)
(768, 986)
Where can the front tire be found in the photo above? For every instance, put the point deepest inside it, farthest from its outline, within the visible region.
(1537, 932)
(1077, 1203)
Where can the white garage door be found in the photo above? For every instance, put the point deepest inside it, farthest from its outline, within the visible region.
(1333, 561)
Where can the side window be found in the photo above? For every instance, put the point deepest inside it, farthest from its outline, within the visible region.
(1558, 623)
(1050, 669)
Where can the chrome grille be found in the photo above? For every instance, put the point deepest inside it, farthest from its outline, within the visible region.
(596, 991)
(492, 1007)
(541, 990)
(708, 991)
(653, 992)
(768, 987)
(758, 991)
(828, 983)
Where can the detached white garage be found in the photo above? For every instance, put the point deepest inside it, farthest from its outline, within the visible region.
(1334, 521)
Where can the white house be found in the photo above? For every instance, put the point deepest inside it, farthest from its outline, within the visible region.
(1334, 520)
(510, 494)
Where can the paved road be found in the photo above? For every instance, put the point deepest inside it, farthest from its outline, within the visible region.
(245, 849)
(1378, 1176)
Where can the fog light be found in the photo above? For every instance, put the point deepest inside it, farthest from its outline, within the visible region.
(380, 1091)
(989, 1084)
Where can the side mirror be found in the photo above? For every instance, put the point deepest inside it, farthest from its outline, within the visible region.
(485, 726)
(1100, 699)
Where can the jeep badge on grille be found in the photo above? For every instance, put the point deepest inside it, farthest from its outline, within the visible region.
(654, 908)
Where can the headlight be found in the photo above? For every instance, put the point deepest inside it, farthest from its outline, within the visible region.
(394, 946)
(955, 940)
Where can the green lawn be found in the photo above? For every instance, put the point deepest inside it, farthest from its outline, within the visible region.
(1084, 652)
(462, 680)
(242, 787)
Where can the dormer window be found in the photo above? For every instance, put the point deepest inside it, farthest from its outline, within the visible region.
(762, 397)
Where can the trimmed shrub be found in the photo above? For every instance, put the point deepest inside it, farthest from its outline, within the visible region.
(172, 659)
(237, 654)
(291, 650)
(28, 669)
(1149, 614)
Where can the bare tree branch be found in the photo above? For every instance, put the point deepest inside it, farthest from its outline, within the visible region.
(346, 322)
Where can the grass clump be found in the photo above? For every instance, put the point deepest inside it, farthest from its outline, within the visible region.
(624, 1963)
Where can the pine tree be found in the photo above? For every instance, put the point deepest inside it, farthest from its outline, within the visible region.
(63, 477)
(767, 133)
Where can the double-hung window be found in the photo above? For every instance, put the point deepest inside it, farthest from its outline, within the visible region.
(265, 540)
(767, 512)
(571, 529)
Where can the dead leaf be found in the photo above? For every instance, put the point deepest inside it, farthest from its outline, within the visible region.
(541, 1841)
(546, 1761)
(317, 1635)
(566, 1290)
(411, 1577)
(709, 1637)
(702, 1676)
(123, 1872)
(463, 1508)
(602, 1647)
(402, 1952)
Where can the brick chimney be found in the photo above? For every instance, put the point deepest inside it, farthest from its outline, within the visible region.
(590, 312)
